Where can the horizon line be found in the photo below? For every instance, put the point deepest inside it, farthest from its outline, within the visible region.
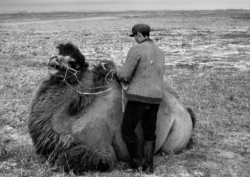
(56, 11)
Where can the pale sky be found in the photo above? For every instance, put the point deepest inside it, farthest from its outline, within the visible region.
(119, 5)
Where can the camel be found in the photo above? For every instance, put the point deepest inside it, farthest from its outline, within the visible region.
(76, 114)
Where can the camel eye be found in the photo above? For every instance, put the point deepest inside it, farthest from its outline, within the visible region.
(74, 65)
(77, 67)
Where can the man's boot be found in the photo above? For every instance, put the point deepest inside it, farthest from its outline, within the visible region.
(148, 162)
(135, 154)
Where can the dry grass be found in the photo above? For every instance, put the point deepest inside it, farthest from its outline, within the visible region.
(217, 92)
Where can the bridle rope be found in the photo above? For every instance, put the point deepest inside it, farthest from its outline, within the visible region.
(74, 72)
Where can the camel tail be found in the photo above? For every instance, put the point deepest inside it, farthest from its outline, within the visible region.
(82, 159)
(193, 117)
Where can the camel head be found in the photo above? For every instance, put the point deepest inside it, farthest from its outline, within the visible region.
(69, 65)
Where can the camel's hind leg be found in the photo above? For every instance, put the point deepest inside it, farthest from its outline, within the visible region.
(180, 133)
(83, 158)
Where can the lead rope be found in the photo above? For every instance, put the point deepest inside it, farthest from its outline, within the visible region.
(74, 72)
(68, 69)
(124, 100)
(87, 93)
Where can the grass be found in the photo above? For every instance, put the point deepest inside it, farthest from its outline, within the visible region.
(220, 100)
(218, 95)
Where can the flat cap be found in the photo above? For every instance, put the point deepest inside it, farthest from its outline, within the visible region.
(140, 28)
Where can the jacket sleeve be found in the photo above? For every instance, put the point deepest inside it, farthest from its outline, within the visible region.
(128, 68)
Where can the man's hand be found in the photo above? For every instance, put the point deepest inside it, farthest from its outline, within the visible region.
(116, 78)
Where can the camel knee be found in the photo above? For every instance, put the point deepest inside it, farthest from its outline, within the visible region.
(82, 159)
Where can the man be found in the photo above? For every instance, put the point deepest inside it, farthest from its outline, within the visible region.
(143, 73)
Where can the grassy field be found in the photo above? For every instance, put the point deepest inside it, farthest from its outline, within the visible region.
(207, 60)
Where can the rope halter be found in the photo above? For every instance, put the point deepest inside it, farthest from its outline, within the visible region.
(74, 72)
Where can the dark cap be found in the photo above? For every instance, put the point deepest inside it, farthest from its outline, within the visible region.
(140, 28)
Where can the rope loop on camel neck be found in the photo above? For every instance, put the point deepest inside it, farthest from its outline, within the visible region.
(88, 93)
(74, 72)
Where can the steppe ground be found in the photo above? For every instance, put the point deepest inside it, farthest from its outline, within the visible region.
(207, 61)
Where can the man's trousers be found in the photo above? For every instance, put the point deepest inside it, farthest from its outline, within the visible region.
(134, 112)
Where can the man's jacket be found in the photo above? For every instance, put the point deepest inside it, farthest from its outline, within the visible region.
(143, 70)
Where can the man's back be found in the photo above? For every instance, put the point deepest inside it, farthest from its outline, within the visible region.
(147, 77)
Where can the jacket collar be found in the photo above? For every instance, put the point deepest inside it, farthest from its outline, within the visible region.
(147, 39)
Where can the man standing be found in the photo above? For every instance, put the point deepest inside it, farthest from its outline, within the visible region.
(143, 73)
